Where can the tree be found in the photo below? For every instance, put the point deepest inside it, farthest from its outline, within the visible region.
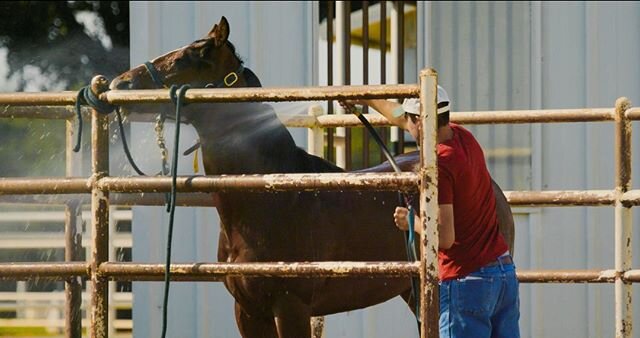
(67, 42)
(54, 46)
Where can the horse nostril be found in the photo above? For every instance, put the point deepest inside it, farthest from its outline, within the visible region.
(120, 84)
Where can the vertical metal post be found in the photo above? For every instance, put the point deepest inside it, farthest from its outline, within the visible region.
(623, 226)
(330, 144)
(73, 245)
(348, 157)
(343, 33)
(111, 287)
(383, 62)
(400, 61)
(99, 223)
(397, 43)
(429, 289)
(315, 136)
(365, 76)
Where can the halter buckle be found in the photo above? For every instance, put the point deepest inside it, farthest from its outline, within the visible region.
(228, 82)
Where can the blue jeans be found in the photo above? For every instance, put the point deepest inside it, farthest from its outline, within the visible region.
(485, 303)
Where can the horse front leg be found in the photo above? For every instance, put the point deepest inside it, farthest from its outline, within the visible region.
(293, 317)
(254, 326)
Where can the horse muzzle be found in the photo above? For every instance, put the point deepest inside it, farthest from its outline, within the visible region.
(120, 84)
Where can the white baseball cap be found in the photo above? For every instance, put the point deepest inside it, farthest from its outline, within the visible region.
(412, 105)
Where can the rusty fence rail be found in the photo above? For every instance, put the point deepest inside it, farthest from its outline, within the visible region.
(104, 190)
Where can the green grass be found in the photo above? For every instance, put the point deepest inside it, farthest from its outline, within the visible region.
(28, 331)
(24, 332)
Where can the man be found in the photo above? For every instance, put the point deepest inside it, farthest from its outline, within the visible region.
(478, 285)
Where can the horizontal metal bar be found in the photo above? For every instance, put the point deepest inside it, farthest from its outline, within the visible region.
(140, 187)
(632, 276)
(273, 182)
(203, 199)
(117, 199)
(41, 112)
(66, 98)
(349, 120)
(631, 198)
(216, 271)
(62, 113)
(533, 116)
(561, 198)
(265, 94)
(47, 185)
(473, 117)
(567, 276)
(55, 271)
(333, 121)
(633, 114)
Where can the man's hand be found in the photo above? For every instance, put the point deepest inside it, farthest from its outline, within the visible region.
(349, 106)
(401, 217)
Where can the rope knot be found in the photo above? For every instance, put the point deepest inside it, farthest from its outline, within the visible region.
(88, 95)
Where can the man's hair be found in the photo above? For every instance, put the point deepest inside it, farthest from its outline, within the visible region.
(443, 119)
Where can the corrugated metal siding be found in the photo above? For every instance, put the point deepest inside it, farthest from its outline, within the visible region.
(278, 49)
(519, 55)
(481, 53)
(502, 55)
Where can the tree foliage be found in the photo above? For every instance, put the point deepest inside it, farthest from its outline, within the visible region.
(54, 46)
(50, 36)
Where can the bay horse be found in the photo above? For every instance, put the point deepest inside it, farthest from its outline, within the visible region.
(248, 138)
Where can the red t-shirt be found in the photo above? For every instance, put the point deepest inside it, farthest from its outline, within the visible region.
(464, 181)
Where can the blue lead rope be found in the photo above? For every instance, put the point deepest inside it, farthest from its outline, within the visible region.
(171, 205)
(411, 227)
(411, 250)
(87, 97)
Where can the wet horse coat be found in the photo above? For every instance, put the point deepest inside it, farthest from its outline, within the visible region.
(248, 138)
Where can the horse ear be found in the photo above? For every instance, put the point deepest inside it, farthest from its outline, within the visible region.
(220, 32)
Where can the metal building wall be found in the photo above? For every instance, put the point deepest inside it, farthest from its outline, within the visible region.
(503, 55)
(533, 55)
(278, 49)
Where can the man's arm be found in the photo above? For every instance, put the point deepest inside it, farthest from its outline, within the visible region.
(446, 230)
(384, 107)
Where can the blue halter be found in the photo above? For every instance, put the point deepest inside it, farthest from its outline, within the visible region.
(229, 80)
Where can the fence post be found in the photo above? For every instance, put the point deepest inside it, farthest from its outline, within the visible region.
(429, 289)
(623, 226)
(73, 244)
(315, 136)
(100, 219)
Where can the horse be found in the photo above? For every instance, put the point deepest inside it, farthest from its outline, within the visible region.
(248, 138)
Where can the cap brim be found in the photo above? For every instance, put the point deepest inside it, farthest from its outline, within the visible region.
(412, 106)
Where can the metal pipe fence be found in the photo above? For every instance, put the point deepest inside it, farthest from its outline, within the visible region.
(101, 186)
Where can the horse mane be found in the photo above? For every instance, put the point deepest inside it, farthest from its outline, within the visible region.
(308, 163)
(233, 50)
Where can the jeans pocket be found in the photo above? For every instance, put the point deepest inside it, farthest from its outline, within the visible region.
(475, 294)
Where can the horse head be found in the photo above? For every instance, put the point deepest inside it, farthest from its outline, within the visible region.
(225, 129)
(208, 62)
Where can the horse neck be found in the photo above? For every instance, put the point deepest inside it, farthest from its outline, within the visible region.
(245, 138)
